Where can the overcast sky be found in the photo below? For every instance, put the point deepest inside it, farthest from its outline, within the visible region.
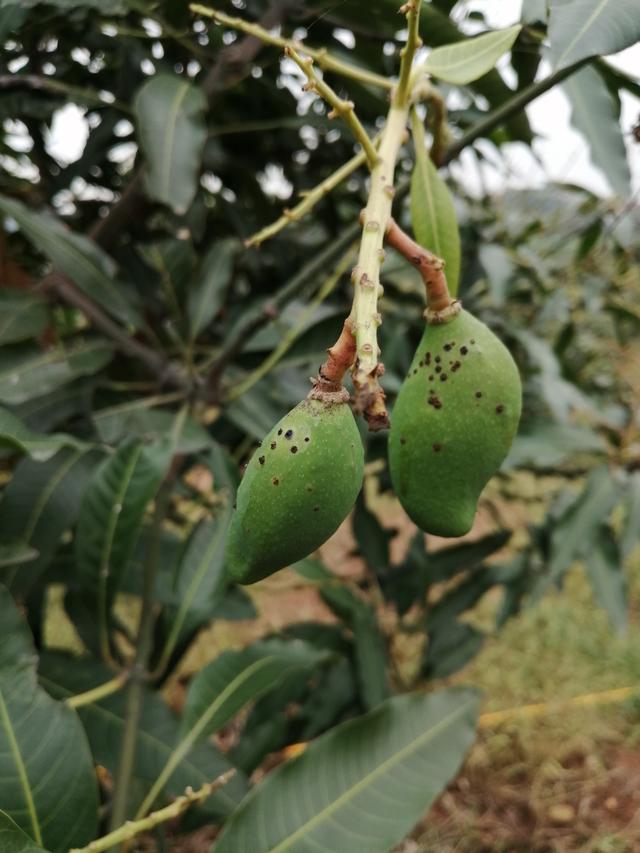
(560, 152)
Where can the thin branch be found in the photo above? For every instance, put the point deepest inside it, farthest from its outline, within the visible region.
(180, 805)
(290, 338)
(311, 198)
(97, 693)
(37, 83)
(165, 372)
(321, 55)
(412, 10)
(340, 107)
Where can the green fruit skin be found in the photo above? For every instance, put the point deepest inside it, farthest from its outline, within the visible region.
(448, 437)
(290, 501)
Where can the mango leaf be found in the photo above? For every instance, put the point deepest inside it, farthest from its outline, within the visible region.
(113, 511)
(142, 417)
(596, 114)
(47, 783)
(603, 565)
(467, 61)
(104, 721)
(88, 266)
(105, 7)
(41, 502)
(450, 647)
(371, 537)
(22, 316)
(207, 291)
(224, 687)
(363, 785)
(171, 129)
(15, 552)
(544, 444)
(582, 28)
(12, 838)
(433, 214)
(573, 534)
(631, 533)
(27, 371)
(17, 436)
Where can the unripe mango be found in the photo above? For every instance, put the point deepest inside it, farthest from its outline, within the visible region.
(453, 423)
(297, 489)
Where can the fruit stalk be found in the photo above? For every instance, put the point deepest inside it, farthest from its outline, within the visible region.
(364, 317)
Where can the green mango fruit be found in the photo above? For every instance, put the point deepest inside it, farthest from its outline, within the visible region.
(453, 423)
(297, 489)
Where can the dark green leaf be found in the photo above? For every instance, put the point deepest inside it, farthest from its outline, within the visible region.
(15, 435)
(12, 838)
(603, 564)
(113, 510)
(22, 316)
(631, 534)
(15, 552)
(104, 723)
(581, 28)
(433, 214)
(355, 788)
(450, 647)
(542, 445)
(596, 114)
(47, 783)
(27, 371)
(207, 291)
(172, 132)
(371, 537)
(141, 418)
(80, 259)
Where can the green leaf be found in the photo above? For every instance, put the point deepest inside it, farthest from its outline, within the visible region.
(631, 533)
(22, 316)
(596, 114)
(573, 534)
(450, 647)
(27, 371)
(225, 686)
(433, 214)
(544, 445)
(113, 510)
(12, 838)
(467, 61)
(172, 132)
(582, 28)
(104, 723)
(91, 269)
(15, 435)
(142, 418)
(105, 7)
(47, 782)
(603, 565)
(16, 552)
(41, 502)
(207, 291)
(371, 537)
(363, 785)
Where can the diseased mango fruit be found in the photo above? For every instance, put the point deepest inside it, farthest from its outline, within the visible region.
(297, 489)
(453, 423)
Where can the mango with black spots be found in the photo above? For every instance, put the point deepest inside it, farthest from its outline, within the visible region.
(298, 487)
(453, 423)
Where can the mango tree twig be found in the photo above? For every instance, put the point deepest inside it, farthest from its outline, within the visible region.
(430, 266)
(99, 692)
(339, 106)
(132, 828)
(290, 338)
(321, 55)
(311, 198)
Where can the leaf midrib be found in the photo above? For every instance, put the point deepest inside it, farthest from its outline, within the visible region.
(380, 770)
(20, 768)
(583, 29)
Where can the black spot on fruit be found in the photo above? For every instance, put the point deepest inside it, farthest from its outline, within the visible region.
(463, 350)
(447, 347)
(288, 433)
(279, 432)
(438, 360)
(443, 377)
(273, 445)
(316, 509)
(294, 449)
(275, 481)
(436, 447)
(455, 366)
(478, 394)
(499, 409)
(261, 460)
(403, 441)
(307, 438)
(438, 369)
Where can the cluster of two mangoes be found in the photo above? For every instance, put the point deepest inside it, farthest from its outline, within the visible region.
(453, 423)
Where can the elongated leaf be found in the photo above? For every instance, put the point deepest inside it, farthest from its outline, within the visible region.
(12, 838)
(15, 435)
(104, 722)
(47, 783)
(581, 28)
(450, 647)
(82, 261)
(631, 534)
(574, 533)
(544, 444)
(224, 687)
(467, 61)
(603, 564)
(41, 502)
(141, 418)
(105, 7)
(27, 372)
(172, 132)
(49, 410)
(15, 552)
(363, 785)
(596, 114)
(206, 293)
(113, 510)
(22, 316)
(433, 214)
